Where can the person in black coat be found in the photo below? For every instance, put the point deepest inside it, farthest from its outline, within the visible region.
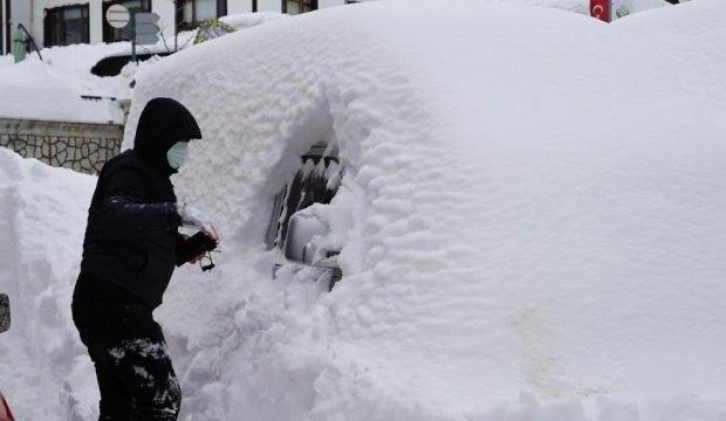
(129, 254)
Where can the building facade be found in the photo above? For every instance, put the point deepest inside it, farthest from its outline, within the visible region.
(65, 22)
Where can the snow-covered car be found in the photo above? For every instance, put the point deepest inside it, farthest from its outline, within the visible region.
(113, 64)
(5, 414)
(525, 206)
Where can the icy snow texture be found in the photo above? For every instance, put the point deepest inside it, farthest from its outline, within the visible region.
(532, 214)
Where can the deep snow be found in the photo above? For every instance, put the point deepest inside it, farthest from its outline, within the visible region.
(531, 212)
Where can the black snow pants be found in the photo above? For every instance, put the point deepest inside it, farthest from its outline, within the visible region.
(134, 372)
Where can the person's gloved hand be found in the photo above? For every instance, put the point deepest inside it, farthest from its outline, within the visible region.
(192, 217)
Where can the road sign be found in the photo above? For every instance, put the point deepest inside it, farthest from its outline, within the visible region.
(147, 28)
(118, 16)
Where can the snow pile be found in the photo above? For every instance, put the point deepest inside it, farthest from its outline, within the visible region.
(52, 89)
(42, 217)
(531, 212)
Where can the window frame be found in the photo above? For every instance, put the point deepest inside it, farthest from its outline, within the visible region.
(50, 24)
(302, 191)
(313, 5)
(111, 34)
(182, 25)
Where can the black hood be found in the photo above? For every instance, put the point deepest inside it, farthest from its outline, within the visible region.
(163, 122)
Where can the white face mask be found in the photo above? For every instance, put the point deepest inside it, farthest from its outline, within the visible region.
(177, 154)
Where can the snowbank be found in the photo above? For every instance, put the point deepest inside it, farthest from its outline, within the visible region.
(42, 218)
(531, 209)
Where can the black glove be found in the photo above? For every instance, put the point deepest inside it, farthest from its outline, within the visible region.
(193, 246)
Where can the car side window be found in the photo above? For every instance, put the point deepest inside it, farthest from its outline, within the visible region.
(317, 181)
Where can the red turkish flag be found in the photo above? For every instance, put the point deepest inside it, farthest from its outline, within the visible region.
(600, 9)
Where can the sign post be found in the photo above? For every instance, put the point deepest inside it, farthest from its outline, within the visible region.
(600, 9)
(133, 36)
(147, 28)
(143, 29)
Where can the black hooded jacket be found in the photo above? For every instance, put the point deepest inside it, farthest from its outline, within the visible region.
(132, 232)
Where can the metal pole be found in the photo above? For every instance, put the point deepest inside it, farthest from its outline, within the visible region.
(610, 11)
(176, 26)
(132, 12)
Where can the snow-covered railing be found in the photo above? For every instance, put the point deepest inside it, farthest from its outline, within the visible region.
(79, 146)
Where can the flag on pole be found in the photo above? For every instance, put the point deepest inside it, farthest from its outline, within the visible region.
(600, 9)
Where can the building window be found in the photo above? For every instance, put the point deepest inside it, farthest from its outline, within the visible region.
(66, 25)
(111, 34)
(190, 13)
(294, 7)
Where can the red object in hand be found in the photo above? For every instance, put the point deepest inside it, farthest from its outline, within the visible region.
(600, 9)
(5, 414)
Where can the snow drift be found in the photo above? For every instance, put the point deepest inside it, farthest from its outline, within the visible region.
(42, 218)
(531, 214)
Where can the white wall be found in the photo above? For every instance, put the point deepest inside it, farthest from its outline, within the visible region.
(269, 6)
(166, 12)
(329, 3)
(164, 8)
(235, 7)
(20, 13)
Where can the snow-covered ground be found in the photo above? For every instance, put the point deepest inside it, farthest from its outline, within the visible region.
(531, 213)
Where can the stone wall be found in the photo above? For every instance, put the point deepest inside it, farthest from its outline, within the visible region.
(78, 146)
